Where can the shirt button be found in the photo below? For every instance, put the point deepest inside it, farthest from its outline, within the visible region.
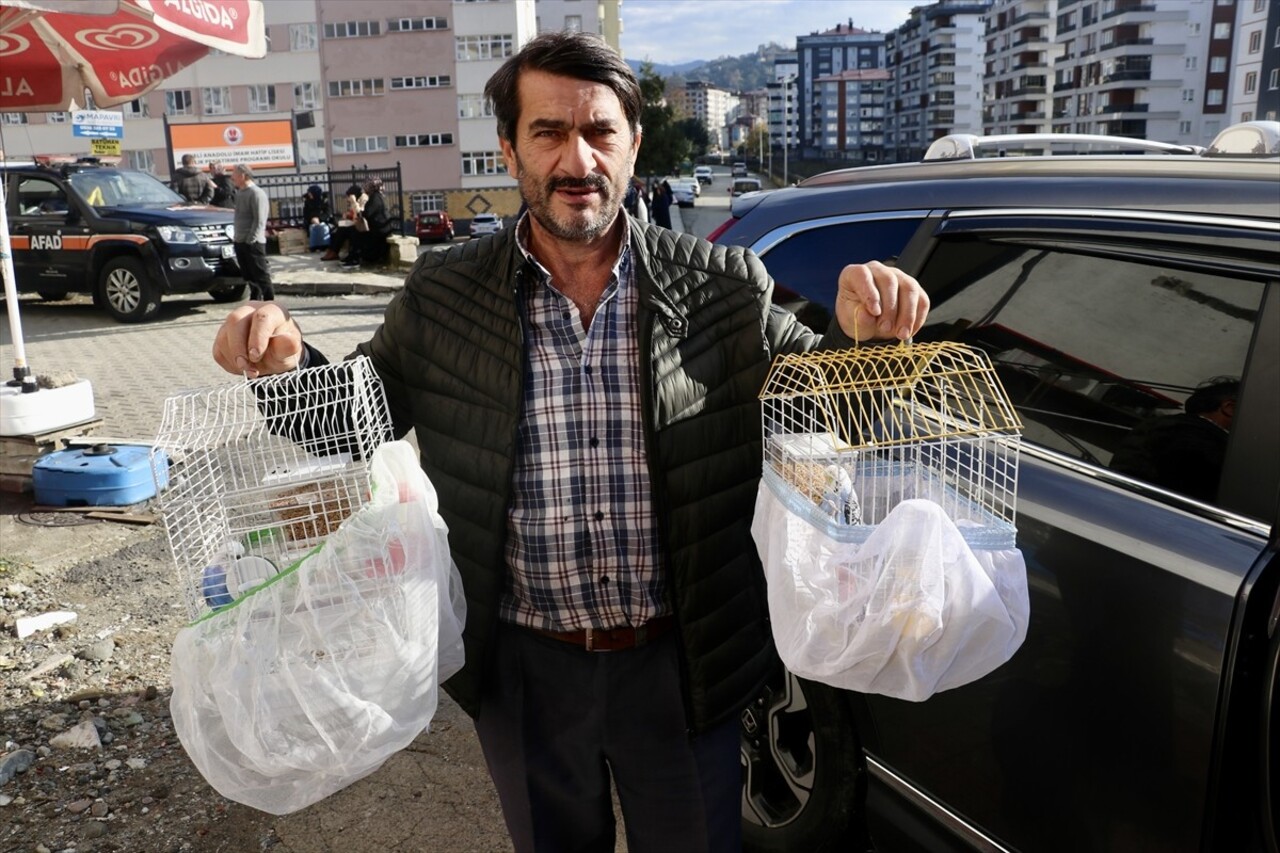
(594, 442)
(567, 315)
(587, 370)
(599, 516)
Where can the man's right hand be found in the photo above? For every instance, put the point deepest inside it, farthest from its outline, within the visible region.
(258, 339)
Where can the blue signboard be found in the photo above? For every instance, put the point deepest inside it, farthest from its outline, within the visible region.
(97, 124)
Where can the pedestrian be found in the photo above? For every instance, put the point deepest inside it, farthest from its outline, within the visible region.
(660, 208)
(316, 214)
(344, 242)
(250, 240)
(191, 183)
(583, 389)
(372, 238)
(224, 191)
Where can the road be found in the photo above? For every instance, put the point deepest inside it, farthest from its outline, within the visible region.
(712, 207)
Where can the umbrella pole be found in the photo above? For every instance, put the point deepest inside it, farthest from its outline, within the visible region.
(21, 372)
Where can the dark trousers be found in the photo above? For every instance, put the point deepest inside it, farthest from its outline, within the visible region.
(556, 722)
(252, 258)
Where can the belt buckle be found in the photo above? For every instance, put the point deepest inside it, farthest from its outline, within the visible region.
(590, 639)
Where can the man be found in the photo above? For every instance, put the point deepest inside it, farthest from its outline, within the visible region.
(224, 193)
(191, 183)
(583, 388)
(251, 233)
(1184, 453)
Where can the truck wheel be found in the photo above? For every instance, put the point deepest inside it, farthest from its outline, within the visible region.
(233, 293)
(126, 291)
(53, 296)
(802, 770)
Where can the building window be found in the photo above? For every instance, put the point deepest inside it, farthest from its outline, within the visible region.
(1273, 82)
(262, 99)
(1214, 97)
(1184, 128)
(57, 118)
(474, 106)
(437, 81)
(1277, 41)
(1191, 63)
(306, 96)
(1188, 96)
(573, 23)
(475, 48)
(483, 163)
(1217, 64)
(1247, 115)
(13, 118)
(360, 144)
(408, 25)
(302, 37)
(426, 202)
(178, 102)
(1193, 28)
(424, 140)
(352, 29)
(1259, 5)
(217, 100)
(143, 161)
(355, 88)
(136, 109)
(311, 152)
(1251, 82)
(1222, 30)
(1255, 41)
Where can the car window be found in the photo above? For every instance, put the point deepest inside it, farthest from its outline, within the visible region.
(41, 197)
(121, 188)
(1100, 354)
(806, 265)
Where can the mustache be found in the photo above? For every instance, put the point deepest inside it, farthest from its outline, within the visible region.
(590, 182)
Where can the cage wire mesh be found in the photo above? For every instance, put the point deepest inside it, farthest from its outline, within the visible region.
(263, 471)
(853, 433)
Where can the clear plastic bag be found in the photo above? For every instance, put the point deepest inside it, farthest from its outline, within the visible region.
(311, 680)
(905, 608)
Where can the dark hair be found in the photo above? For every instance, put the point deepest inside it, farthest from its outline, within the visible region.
(1211, 394)
(582, 56)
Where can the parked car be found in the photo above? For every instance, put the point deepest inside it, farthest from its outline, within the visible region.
(1141, 711)
(485, 223)
(692, 183)
(119, 234)
(434, 227)
(738, 170)
(703, 174)
(744, 185)
(682, 192)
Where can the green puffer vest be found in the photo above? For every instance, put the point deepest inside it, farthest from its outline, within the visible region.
(450, 351)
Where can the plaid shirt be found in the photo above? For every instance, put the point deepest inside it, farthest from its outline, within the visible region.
(582, 544)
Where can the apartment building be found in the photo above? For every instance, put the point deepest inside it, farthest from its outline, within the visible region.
(843, 48)
(783, 105)
(713, 108)
(1255, 80)
(936, 60)
(1021, 52)
(852, 106)
(602, 17)
(1142, 69)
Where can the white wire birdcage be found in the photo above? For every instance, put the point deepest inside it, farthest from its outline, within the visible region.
(263, 471)
(850, 434)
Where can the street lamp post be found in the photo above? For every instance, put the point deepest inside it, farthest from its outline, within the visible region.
(786, 125)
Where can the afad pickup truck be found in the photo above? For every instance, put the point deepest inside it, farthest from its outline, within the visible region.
(116, 233)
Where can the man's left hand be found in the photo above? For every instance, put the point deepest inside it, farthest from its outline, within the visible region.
(875, 301)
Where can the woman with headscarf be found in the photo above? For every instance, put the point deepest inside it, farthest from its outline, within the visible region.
(372, 239)
(344, 236)
(315, 217)
(660, 210)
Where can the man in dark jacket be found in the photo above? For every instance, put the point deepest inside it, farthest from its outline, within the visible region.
(224, 191)
(191, 183)
(583, 389)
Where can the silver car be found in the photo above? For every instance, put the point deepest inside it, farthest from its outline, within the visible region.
(486, 223)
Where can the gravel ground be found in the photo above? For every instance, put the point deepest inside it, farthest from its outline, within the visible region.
(89, 760)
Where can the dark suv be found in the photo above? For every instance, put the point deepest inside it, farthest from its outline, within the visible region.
(119, 234)
(1141, 712)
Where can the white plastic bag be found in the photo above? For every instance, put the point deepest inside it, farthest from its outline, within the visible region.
(311, 681)
(905, 608)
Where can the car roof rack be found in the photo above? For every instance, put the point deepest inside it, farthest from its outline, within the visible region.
(965, 146)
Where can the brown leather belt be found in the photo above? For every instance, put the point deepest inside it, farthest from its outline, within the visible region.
(612, 639)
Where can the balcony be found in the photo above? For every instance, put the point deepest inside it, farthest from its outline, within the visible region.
(1130, 42)
(1125, 10)
(1120, 76)
(1112, 109)
(1027, 116)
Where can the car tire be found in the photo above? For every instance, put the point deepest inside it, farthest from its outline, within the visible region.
(234, 293)
(126, 292)
(53, 296)
(803, 778)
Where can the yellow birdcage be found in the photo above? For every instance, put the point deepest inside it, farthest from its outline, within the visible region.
(852, 433)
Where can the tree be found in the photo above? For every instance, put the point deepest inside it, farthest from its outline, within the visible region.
(697, 134)
(665, 145)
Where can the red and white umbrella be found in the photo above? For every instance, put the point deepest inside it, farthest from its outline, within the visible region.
(118, 51)
(52, 51)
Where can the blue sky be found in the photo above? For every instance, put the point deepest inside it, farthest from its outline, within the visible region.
(675, 31)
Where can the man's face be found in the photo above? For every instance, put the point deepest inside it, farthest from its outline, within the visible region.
(238, 179)
(573, 154)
